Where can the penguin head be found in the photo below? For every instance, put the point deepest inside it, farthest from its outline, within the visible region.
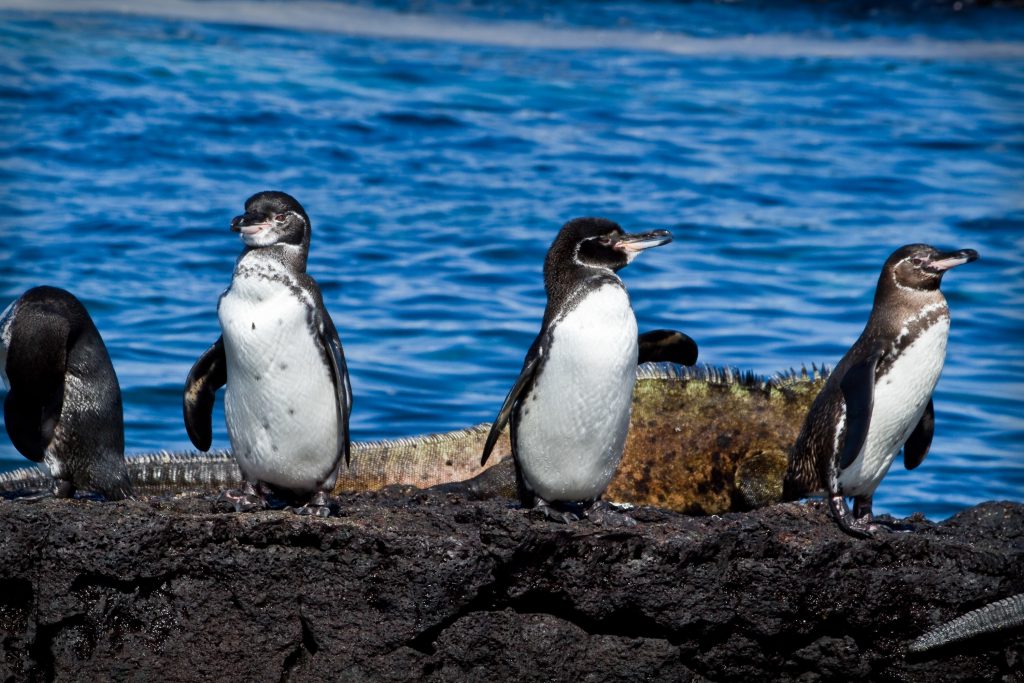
(272, 218)
(921, 267)
(601, 243)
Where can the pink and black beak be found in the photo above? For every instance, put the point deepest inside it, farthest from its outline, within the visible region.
(943, 261)
(248, 224)
(633, 244)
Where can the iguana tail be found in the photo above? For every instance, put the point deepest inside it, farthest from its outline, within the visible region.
(997, 616)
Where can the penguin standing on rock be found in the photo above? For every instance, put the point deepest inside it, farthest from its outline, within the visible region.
(288, 396)
(569, 409)
(879, 398)
(64, 404)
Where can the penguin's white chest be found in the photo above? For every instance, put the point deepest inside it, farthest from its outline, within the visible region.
(901, 396)
(572, 424)
(280, 401)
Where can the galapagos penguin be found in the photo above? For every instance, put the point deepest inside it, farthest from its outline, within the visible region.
(879, 397)
(288, 396)
(64, 404)
(569, 409)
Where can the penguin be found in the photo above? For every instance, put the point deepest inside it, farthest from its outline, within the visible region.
(64, 405)
(288, 396)
(879, 397)
(569, 408)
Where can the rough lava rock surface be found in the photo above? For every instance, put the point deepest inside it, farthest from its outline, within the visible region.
(410, 586)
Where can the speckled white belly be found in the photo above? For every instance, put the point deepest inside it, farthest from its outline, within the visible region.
(901, 397)
(280, 401)
(573, 424)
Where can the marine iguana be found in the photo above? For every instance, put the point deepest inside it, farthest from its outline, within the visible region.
(738, 426)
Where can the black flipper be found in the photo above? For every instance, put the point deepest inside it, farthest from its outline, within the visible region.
(667, 345)
(208, 375)
(342, 385)
(920, 439)
(534, 358)
(858, 387)
(524, 492)
(24, 420)
(37, 360)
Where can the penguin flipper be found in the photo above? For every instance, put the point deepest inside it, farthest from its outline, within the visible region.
(666, 345)
(523, 382)
(30, 424)
(208, 375)
(858, 387)
(920, 439)
(342, 385)
(36, 364)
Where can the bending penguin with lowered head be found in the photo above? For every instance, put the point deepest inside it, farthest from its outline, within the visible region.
(64, 404)
(288, 397)
(569, 408)
(879, 397)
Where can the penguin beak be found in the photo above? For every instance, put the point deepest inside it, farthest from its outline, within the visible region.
(634, 244)
(248, 224)
(952, 259)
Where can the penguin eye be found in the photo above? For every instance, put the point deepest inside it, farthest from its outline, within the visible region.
(605, 240)
(279, 218)
(918, 261)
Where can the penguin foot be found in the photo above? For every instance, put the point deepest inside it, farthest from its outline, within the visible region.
(870, 525)
(318, 506)
(545, 510)
(866, 529)
(894, 526)
(246, 499)
(608, 514)
(858, 528)
(310, 510)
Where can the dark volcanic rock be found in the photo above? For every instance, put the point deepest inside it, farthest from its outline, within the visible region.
(421, 586)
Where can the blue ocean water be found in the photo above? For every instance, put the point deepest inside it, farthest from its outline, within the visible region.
(438, 147)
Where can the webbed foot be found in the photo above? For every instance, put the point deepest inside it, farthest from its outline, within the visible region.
(246, 499)
(551, 513)
(862, 527)
(317, 506)
(894, 526)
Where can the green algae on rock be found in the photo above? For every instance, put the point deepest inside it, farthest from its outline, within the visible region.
(702, 441)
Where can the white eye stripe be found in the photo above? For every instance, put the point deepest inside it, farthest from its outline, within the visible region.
(593, 266)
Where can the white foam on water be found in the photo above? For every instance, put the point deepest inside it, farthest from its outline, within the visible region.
(341, 18)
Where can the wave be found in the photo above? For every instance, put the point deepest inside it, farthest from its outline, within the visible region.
(341, 18)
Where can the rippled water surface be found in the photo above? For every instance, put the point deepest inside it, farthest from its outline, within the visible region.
(437, 152)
